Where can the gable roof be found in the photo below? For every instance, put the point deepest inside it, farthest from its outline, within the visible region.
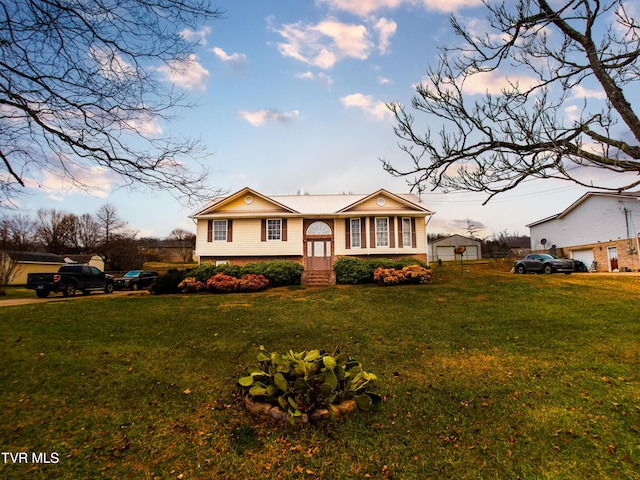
(581, 200)
(297, 205)
(456, 236)
(219, 202)
(35, 257)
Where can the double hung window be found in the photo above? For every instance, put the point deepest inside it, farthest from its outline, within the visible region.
(356, 240)
(406, 232)
(220, 229)
(274, 229)
(382, 231)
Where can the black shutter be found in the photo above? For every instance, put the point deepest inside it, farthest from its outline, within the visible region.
(347, 235)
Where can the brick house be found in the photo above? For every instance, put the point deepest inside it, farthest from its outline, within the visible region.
(600, 227)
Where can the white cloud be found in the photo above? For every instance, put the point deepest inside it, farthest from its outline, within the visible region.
(572, 113)
(362, 7)
(496, 82)
(368, 104)
(450, 6)
(111, 65)
(324, 44)
(269, 115)
(321, 77)
(197, 36)
(580, 92)
(56, 184)
(384, 81)
(187, 74)
(386, 29)
(235, 60)
(365, 8)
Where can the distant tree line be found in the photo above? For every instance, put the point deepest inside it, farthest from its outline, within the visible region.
(103, 233)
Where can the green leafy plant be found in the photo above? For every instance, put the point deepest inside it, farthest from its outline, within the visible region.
(309, 381)
(353, 270)
(282, 272)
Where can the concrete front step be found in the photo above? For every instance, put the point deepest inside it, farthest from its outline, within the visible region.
(318, 278)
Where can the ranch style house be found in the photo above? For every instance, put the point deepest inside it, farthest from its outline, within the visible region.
(314, 230)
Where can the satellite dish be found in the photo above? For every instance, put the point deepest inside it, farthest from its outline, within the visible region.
(543, 241)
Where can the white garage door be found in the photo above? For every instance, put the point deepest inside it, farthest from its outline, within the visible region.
(585, 256)
(471, 253)
(445, 253)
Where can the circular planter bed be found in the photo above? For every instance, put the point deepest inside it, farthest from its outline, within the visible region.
(287, 387)
(267, 410)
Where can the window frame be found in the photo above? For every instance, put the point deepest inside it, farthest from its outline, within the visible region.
(216, 235)
(355, 233)
(407, 232)
(383, 232)
(271, 233)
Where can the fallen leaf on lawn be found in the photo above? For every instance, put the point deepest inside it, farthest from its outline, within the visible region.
(187, 391)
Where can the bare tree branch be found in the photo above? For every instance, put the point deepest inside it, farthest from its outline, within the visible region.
(492, 142)
(79, 87)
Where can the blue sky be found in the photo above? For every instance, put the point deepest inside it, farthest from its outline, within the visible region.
(291, 98)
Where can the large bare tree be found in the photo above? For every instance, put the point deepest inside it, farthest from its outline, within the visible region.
(79, 88)
(564, 111)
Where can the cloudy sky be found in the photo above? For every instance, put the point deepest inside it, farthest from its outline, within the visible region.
(291, 97)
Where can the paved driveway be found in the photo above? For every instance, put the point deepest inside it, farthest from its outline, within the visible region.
(57, 297)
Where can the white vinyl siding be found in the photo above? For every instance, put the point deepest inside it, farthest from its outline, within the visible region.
(598, 218)
(247, 240)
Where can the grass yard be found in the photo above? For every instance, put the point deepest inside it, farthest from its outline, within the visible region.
(485, 375)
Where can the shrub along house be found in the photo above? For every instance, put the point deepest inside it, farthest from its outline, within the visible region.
(313, 230)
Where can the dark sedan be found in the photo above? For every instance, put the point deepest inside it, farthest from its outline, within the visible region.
(135, 280)
(543, 263)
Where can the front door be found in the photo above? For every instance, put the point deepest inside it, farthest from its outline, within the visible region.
(613, 258)
(318, 245)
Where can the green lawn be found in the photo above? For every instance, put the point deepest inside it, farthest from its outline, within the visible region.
(484, 375)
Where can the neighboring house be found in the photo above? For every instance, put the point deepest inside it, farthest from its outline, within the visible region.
(443, 248)
(42, 262)
(313, 230)
(600, 227)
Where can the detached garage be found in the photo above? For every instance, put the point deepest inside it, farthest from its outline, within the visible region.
(443, 249)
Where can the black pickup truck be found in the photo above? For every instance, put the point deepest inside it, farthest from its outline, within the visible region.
(69, 279)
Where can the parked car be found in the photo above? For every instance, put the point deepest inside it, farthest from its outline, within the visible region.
(136, 279)
(543, 263)
(69, 279)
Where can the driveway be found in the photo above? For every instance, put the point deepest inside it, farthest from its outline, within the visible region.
(57, 297)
